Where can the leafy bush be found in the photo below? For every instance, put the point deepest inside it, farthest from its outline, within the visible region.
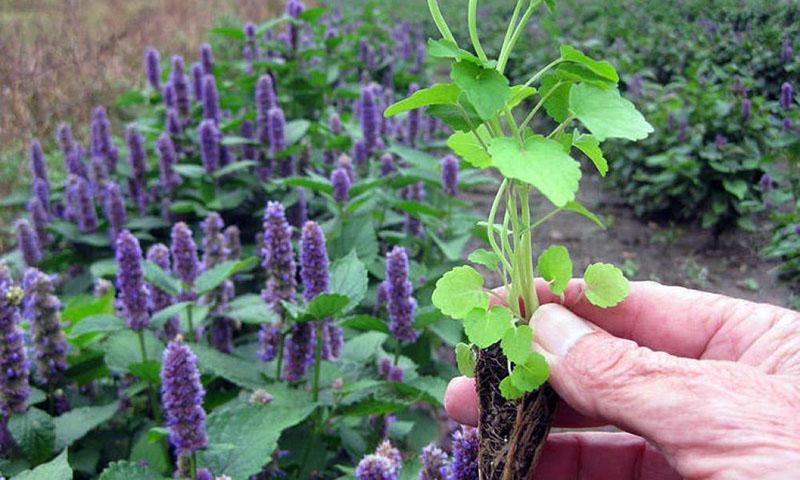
(244, 340)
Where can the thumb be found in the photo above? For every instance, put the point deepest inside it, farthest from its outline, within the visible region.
(617, 381)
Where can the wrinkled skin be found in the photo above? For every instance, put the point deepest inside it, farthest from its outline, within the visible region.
(703, 387)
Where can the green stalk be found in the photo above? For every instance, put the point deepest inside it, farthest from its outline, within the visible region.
(189, 320)
(151, 392)
(561, 127)
(511, 25)
(529, 292)
(490, 227)
(472, 19)
(539, 106)
(279, 360)
(441, 23)
(317, 362)
(193, 465)
(501, 63)
(543, 71)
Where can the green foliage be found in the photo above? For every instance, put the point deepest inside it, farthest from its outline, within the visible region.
(485, 328)
(465, 358)
(606, 114)
(459, 291)
(555, 266)
(35, 433)
(606, 286)
(56, 469)
(76, 423)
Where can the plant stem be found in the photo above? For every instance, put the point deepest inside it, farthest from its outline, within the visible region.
(193, 465)
(317, 362)
(539, 106)
(441, 23)
(490, 233)
(279, 360)
(151, 391)
(472, 20)
(189, 320)
(561, 127)
(501, 63)
(545, 218)
(541, 72)
(510, 29)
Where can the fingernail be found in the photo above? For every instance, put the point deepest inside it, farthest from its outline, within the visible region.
(556, 329)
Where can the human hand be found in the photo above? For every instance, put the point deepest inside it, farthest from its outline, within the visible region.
(707, 386)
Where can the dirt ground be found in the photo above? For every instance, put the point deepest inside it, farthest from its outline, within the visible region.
(672, 255)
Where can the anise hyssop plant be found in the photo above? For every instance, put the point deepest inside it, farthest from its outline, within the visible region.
(581, 97)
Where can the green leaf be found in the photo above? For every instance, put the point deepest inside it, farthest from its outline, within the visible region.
(295, 130)
(557, 97)
(234, 167)
(161, 279)
(604, 69)
(365, 323)
(244, 373)
(76, 423)
(253, 314)
(437, 94)
(530, 375)
(541, 163)
(157, 433)
(590, 146)
(56, 469)
(486, 88)
(349, 277)
(252, 432)
(442, 48)
(555, 266)
(160, 318)
(234, 33)
(34, 432)
(606, 285)
(96, 324)
(190, 171)
(467, 146)
(465, 359)
(453, 247)
(80, 307)
(149, 371)
(459, 291)
(517, 343)
(212, 278)
(736, 187)
(606, 114)
(125, 470)
(326, 305)
(577, 207)
(487, 328)
(322, 185)
(461, 117)
(122, 349)
(509, 391)
(104, 268)
(484, 257)
(518, 94)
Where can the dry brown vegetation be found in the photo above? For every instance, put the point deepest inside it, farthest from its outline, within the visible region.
(62, 57)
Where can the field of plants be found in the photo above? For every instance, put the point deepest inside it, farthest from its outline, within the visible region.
(268, 259)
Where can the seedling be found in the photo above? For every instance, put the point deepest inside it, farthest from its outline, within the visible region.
(579, 96)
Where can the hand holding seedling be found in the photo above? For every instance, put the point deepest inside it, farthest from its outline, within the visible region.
(708, 386)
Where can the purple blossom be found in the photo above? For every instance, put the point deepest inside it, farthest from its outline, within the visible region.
(102, 145)
(159, 255)
(137, 158)
(232, 243)
(174, 126)
(250, 31)
(178, 80)
(207, 58)
(464, 465)
(38, 164)
(182, 399)
(369, 117)
(152, 67)
(269, 337)
(335, 123)
(98, 174)
(381, 297)
(213, 248)
(39, 220)
(169, 96)
(346, 164)
(298, 212)
(196, 71)
(787, 95)
(277, 130)
(387, 164)
(683, 123)
(413, 119)
(341, 185)
(360, 151)
(299, 350)
(209, 138)
(400, 303)
(720, 140)
(747, 109)
(41, 191)
(210, 99)
(28, 243)
(42, 310)
(167, 159)
(134, 297)
(278, 258)
(375, 467)
(786, 51)
(434, 464)
(313, 261)
(73, 161)
(766, 183)
(184, 254)
(222, 330)
(787, 123)
(388, 451)
(332, 340)
(265, 100)
(14, 388)
(82, 203)
(636, 85)
(389, 371)
(66, 142)
(450, 175)
(114, 209)
(247, 130)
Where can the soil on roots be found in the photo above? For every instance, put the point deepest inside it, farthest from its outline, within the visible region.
(511, 433)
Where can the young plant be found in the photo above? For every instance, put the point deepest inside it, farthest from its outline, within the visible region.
(580, 96)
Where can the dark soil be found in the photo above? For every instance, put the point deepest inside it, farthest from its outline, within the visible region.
(670, 254)
(511, 433)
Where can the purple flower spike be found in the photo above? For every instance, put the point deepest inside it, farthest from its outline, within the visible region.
(360, 151)
(14, 388)
(786, 51)
(114, 209)
(332, 341)
(387, 164)
(210, 99)
(464, 465)
(174, 125)
(388, 451)
(232, 243)
(278, 258)
(28, 243)
(178, 80)
(38, 164)
(207, 59)
(169, 96)
(73, 160)
(747, 109)
(450, 175)
(268, 341)
(313, 261)
(39, 219)
(213, 249)
(137, 158)
(434, 464)
(134, 297)
(182, 399)
(66, 142)
(400, 303)
(787, 95)
(197, 80)
(341, 185)
(167, 159)
(42, 310)
(277, 130)
(152, 67)
(413, 119)
(375, 467)
(250, 31)
(335, 123)
(265, 100)
(159, 255)
(369, 117)
(299, 351)
(184, 254)
(247, 130)
(209, 137)
(346, 164)
(389, 371)
(80, 196)
(102, 145)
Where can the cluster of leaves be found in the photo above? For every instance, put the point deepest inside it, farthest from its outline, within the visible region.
(325, 430)
(479, 105)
